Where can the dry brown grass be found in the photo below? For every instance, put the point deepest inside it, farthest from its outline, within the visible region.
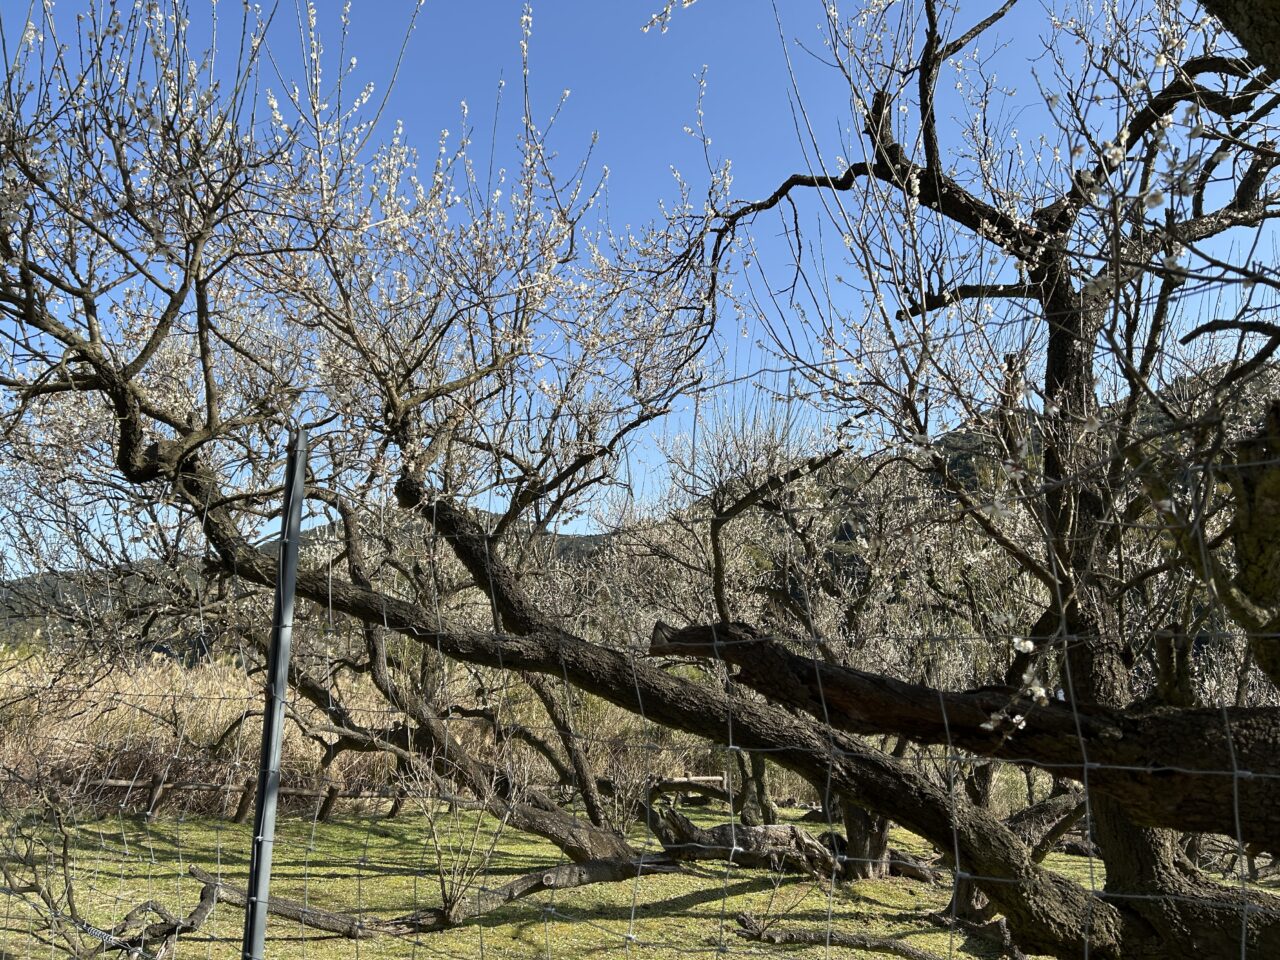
(77, 724)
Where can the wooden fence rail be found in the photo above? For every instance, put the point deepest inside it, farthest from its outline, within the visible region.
(158, 790)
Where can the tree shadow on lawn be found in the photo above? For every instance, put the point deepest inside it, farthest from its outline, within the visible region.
(517, 915)
(340, 852)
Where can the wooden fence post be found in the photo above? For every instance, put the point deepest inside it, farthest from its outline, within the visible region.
(245, 806)
(330, 800)
(155, 795)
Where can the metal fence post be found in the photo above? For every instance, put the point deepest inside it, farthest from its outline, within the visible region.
(264, 819)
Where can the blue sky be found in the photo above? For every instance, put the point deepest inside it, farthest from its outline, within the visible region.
(637, 90)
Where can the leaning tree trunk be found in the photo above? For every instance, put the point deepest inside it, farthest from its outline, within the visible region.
(968, 903)
(867, 844)
(1048, 913)
(867, 834)
(751, 800)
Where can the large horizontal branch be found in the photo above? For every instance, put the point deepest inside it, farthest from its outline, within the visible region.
(340, 923)
(1045, 908)
(772, 847)
(1204, 770)
(939, 299)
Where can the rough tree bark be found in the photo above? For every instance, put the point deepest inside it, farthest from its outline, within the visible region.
(1253, 23)
(1047, 912)
(866, 844)
(867, 834)
(751, 801)
(1166, 765)
(968, 903)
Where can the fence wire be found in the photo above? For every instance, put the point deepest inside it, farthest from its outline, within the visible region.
(124, 793)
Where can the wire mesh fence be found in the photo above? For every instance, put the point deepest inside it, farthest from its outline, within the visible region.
(967, 527)
(126, 809)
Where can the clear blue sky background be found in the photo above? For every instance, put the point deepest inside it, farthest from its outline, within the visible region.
(637, 90)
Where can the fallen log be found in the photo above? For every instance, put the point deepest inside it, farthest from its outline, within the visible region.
(903, 864)
(753, 929)
(712, 788)
(482, 901)
(340, 923)
(774, 847)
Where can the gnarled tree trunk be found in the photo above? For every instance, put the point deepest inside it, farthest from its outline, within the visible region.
(751, 801)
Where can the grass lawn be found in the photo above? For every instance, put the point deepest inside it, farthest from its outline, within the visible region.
(371, 866)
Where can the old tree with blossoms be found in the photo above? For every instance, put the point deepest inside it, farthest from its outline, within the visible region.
(1039, 523)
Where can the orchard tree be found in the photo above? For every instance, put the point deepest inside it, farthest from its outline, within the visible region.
(1073, 296)
(213, 261)
(1017, 337)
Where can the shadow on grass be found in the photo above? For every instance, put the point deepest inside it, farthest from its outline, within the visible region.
(678, 905)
